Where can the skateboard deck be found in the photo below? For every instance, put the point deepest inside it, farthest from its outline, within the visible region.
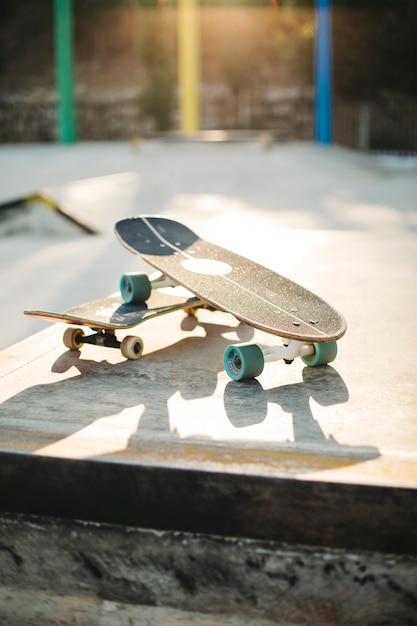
(252, 293)
(110, 314)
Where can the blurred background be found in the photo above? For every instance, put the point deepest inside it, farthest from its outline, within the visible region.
(256, 69)
(125, 81)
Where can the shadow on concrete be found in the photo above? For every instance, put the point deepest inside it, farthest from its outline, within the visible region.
(324, 385)
(99, 445)
(150, 403)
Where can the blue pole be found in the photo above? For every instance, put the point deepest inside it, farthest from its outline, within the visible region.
(323, 72)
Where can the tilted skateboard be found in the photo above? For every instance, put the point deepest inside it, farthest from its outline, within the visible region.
(108, 315)
(258, 296)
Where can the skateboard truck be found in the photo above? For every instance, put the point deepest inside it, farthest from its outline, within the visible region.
(131, 347)
(288, 351)
(245, 361)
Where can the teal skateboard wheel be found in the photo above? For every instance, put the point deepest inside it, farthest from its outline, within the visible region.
(243, 361)
(323, 353)
(135, 287)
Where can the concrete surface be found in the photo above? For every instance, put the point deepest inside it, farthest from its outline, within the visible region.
(346, 427)
(230, 192)
(321, 457)
(69, 573)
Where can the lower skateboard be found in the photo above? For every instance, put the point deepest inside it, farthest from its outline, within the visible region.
(107, 316)
(309, 326)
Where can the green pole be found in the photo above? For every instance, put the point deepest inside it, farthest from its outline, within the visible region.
(64, 70)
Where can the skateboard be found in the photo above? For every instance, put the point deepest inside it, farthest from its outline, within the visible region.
(254, 294)
(108, 315)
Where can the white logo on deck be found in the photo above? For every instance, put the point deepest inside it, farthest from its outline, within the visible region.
(206, 266)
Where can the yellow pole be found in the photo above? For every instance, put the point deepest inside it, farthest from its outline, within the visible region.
(189, 66)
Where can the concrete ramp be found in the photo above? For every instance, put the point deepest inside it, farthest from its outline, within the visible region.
(43, 213)
(89, 205)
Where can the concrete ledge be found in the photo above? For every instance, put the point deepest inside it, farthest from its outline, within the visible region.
(115, 574)
(325, 456)
(351, 517)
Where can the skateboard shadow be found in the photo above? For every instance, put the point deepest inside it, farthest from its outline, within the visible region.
(132, 398)
(156, 401)
(323, 385)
